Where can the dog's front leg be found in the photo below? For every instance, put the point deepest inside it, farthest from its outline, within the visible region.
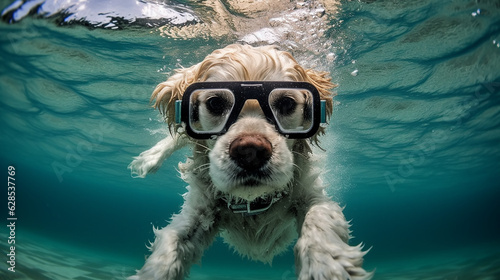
(179, 245)
(322, 252)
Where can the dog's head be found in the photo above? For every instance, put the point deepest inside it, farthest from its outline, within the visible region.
(252, 158)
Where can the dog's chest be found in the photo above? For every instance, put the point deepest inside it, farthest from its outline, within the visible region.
(261, 236)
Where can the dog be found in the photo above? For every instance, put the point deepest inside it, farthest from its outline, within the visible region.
(251, 184)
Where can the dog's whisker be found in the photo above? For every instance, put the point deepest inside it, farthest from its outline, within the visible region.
(205, 147)
(298, 168)
(300, 154)
(202, 167)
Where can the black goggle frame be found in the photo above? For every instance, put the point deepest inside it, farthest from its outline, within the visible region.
(247, 90)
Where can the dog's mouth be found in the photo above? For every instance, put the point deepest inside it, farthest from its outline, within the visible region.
(252, 178)
(251, 182)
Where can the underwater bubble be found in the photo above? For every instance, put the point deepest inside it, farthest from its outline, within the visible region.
(330, 57)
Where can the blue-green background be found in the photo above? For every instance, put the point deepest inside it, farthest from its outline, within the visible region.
(412, 151)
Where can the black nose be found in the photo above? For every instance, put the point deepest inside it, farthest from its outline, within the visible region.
(250, 152)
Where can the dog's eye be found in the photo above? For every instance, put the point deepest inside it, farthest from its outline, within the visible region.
(217, 105)
(285, 105)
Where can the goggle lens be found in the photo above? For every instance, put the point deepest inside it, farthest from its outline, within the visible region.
(209, 110)
(292, 109)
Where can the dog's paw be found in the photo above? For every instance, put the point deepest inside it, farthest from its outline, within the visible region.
(146, 163)
(164, 267)
(330, 262)
(151, 160)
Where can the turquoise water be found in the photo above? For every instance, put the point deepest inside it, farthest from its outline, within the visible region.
(413, 149)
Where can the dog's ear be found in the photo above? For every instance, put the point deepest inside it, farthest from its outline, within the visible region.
(323, 82)
(166, 93)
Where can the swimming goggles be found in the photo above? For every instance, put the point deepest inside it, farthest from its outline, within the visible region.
(209, 108)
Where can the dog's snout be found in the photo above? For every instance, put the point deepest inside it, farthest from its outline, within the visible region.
(250, 152)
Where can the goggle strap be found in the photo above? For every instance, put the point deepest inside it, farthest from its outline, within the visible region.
(323, 111)
(178, 106)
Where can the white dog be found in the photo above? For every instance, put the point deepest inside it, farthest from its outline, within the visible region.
(250, 183)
